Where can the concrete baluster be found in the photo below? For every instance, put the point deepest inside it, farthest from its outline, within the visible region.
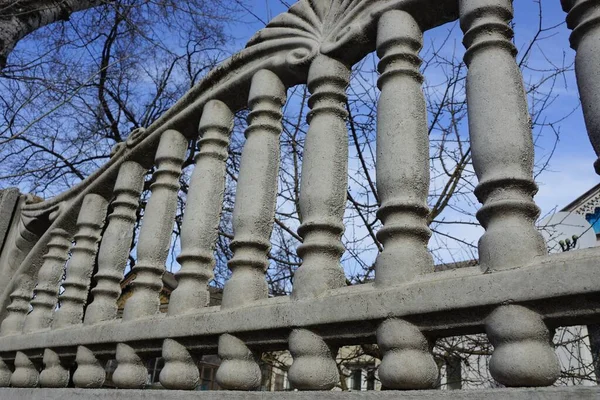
(314, 366)
(584, 19)
(407, 363)
(112, 259)
(180, 371)
(502, 147)
(49, 276)
(18, 307)
(403, 186)
(26, 373)
(402, 153)
(81, 265)
(198, 238)
(90, 372)
(253, 216)
(152, 252)
(523, 353)
(55, 373)
(501, 139)
(116, 244)
(241, 370)
(322, 203)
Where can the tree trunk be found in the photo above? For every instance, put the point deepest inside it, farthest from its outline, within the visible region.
(19, 18)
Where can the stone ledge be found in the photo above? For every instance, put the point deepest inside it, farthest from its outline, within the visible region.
(564, 288)
(551, 393)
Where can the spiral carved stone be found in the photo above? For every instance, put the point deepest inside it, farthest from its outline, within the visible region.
(26, 373)
(90, 371)
(180, 370)
(314, 366)
(239, 369)
(407, 363)
(54, 374)
(523, 353)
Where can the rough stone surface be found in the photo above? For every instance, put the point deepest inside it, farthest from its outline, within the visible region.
(402, 153)
(324, 180)
(8, 203)
(116, 242)
(198, 237)
(563, 288)
(500, 135)
(554, 393)
(253, 217)
(523, 354)
(203, 210)
(407, 362)
(316, 42)
(584, 19)
(81, 265)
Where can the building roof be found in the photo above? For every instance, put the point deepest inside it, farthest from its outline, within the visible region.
(586, 203)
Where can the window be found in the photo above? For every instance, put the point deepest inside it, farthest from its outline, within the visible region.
(207, 377)
(278, 382)
(154, 366)
(371, 379)
(356, 380)
(361, 377)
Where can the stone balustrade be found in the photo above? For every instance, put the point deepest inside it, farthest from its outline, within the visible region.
(60, 321)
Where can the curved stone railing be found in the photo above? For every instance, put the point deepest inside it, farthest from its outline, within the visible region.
(517, 295)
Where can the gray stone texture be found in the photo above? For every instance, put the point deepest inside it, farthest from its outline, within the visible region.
(553, 393)
(407, 306)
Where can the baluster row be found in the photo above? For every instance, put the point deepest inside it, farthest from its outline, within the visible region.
(502, 151)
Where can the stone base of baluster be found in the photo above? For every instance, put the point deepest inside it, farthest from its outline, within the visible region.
(131, 372)
(90, 372)
(523, 354)
(54, 374)
(407, 363)
(180, 370)
(26, 373)
(239, 369)
(314, 366)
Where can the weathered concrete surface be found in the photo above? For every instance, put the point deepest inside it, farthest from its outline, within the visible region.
(8, 203)
(546, 286)
(554, 393)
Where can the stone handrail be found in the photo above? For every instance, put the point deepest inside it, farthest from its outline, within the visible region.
(517, 295)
